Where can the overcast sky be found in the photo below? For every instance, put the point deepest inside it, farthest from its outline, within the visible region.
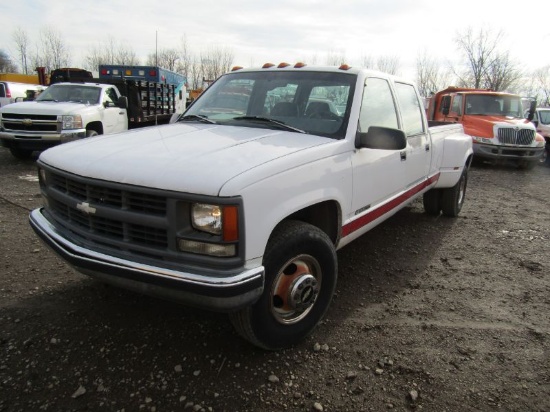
(258, 31)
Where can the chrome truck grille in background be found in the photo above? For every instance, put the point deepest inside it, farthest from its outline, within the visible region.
(515, 136)
(15, 122)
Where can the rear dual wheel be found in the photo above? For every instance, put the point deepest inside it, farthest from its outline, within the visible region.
(300, 279)
(449, 200)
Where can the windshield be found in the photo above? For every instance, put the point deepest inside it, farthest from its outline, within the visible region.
(494, 105)
(71, 93)
(305, 101)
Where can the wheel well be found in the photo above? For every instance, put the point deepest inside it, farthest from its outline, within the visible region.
(326, 216)
(97, 126)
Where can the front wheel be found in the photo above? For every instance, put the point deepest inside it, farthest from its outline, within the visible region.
(300, 278)
(452, 198)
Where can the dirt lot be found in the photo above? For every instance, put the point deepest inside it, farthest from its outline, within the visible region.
(431, 314)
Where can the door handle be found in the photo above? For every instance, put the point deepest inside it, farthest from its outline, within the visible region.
(427, 147)
(403, 155)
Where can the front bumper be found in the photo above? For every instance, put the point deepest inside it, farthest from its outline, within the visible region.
(39, 141)
(494, 152)
(226, 294)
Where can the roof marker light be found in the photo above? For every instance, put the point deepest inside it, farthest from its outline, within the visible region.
(267, 65)
(299, 65)
(344, 67)
(235, 68)
(282, 65)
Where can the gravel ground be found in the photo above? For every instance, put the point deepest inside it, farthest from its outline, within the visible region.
(430, 314)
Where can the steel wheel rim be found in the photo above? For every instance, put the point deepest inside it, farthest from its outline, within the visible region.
(295, 289)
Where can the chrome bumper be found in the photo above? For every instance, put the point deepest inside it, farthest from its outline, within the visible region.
(224, 293)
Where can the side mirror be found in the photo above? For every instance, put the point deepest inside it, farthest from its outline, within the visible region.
(383, 138)
(446, 105)
(122, 102)
(532, 107)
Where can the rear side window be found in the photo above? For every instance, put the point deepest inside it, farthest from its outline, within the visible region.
(378, 107)
(2, 90)
(411, 109)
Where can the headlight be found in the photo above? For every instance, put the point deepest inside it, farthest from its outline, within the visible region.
(478, 139)
(70, 121)
(207, 218)
(221, 221)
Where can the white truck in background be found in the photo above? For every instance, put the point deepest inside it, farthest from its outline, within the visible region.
(75, 107)
(241, 205)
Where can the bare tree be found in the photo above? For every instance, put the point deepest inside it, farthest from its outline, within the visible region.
(542, 80)
(368, 62)
(486, 66)
(21, 41)
(194, 74)
(215, 61)
(388, 64)
(52, 53)
(502, 74)
(335, 58)
(6, 65)
(430, 76)
(183, 65)
(110, 52)
(165, 58)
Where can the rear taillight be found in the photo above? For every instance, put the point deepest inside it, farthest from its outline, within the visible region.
(8, 93)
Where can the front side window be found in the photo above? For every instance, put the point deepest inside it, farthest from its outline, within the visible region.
(456, 107)
(110, 97)
(411, 109)
(378, 107)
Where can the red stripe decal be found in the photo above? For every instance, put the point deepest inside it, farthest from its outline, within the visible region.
(385, 208)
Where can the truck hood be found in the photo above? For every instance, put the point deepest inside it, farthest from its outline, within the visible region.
(47, 108)
(180, 157)
(483, 126)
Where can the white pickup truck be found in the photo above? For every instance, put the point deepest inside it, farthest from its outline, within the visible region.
(241, 205)
(69, 111)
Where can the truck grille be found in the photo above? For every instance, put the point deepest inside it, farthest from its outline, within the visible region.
(29, 122)
(114, 216)
(511, 135)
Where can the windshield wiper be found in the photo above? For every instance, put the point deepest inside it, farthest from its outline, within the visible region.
(47, 100)
(196, 117)
(271, 121)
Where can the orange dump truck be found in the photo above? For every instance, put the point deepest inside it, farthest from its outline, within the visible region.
(496, 122)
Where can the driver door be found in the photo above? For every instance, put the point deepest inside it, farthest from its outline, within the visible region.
(114, 118)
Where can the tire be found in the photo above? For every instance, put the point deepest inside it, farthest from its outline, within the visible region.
(91, 133)
(452, 198)
(21, 154)
(300, 278)
(528, 165)
(432, 202)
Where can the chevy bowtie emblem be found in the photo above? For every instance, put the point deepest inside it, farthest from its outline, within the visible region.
(85, 207)
(26, 122)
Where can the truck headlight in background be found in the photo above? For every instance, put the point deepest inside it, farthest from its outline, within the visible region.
(70, 121)
(477, 139)
(222, 222)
